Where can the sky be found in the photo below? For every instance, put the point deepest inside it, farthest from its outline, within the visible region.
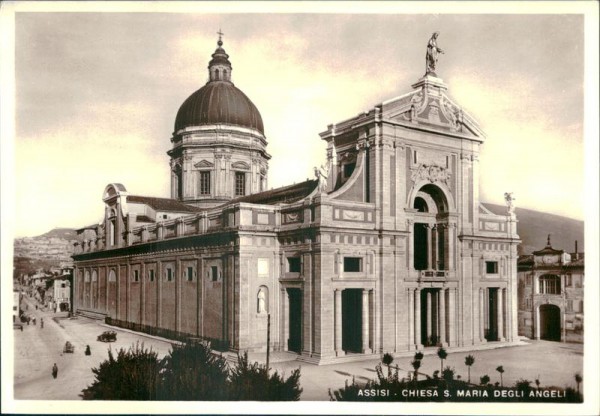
(96, 96)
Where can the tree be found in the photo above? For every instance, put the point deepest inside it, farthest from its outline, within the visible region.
(416, 364)
(388, 359)
(192, 372)
(500, 369)
(578, 380)
(133, 375)
(443, 354)
(537, 382)
(469, 361)
(484, 380)
(254, 382)
(448, 373)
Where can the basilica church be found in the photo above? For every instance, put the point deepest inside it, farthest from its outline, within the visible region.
(388, 249)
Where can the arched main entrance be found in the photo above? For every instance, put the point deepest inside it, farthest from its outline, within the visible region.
(550, 322)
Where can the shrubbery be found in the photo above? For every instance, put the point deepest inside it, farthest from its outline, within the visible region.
(190, 372)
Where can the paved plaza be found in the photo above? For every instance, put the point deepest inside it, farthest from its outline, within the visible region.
(37, 349)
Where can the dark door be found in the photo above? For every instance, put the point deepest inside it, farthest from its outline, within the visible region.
(420, 247)
(295, 320)
(352, 320)
(550, 322)
(492, 331)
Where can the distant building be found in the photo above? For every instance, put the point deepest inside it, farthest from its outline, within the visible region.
(59, 293)
(550, 294)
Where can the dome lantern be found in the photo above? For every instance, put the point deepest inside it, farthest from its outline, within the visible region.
(219, 67)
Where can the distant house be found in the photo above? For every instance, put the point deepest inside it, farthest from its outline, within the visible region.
(550, 293)
(16, 304)
(58, 294)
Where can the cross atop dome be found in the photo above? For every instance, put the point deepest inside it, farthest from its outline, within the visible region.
(220, 41)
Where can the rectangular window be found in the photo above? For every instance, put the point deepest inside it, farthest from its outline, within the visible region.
(348, 169)
(151, 275)
(294, 264)
(568, 281)
(491, 267)
(63, 285)
(240, 184)
(190, 274)
(214, 273)
(570, 306)
(204, 183)
(169, 274)
(353, 264)
(136, 276)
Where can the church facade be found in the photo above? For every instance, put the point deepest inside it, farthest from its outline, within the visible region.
(388, 250)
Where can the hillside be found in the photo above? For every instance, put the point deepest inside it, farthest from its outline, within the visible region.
(534, 227)
(53, 248)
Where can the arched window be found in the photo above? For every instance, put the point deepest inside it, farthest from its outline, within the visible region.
(550, 284)
(420, 204)
(262, 300)
(112, 277)
(94, 276)
(217, 75)
(86, 276)
(112, 221)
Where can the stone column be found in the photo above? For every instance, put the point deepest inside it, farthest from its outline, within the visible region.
(451, 317)
(418, 319)
(285, 319)
(482, 315)
(500, 311)
(411, 318)
(450, 239)
(434, 246)
(178, 282)
(339, 351)
(442, 317)
(365, 322)
(411, 244)
(429, 315)
(106, 303)
(199, 297)
(142, 293)
(159, 283)
(429, 248)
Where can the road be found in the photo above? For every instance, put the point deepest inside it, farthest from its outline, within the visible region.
(37, 349)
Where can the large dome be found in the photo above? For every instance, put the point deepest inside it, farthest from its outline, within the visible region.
(219, 101)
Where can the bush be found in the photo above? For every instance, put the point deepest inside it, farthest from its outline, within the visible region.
(192, 372)
(133, 375)
(253, 382)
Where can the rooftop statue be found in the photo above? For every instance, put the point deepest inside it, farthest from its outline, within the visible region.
(432, 54)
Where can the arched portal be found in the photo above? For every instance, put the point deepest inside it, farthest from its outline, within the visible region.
(431, 238)
(550, 322)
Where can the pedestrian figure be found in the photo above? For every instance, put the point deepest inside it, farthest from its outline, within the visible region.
(36, 307)
(42, 323)
(34, 320)
(54, 371)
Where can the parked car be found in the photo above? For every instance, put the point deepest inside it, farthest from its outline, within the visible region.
(107, 336)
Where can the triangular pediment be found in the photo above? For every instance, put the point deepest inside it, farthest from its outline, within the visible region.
(204, 164)
(429, 106)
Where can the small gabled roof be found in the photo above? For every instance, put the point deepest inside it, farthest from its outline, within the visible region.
(548, 249)
(283, 195)
(162, 204)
